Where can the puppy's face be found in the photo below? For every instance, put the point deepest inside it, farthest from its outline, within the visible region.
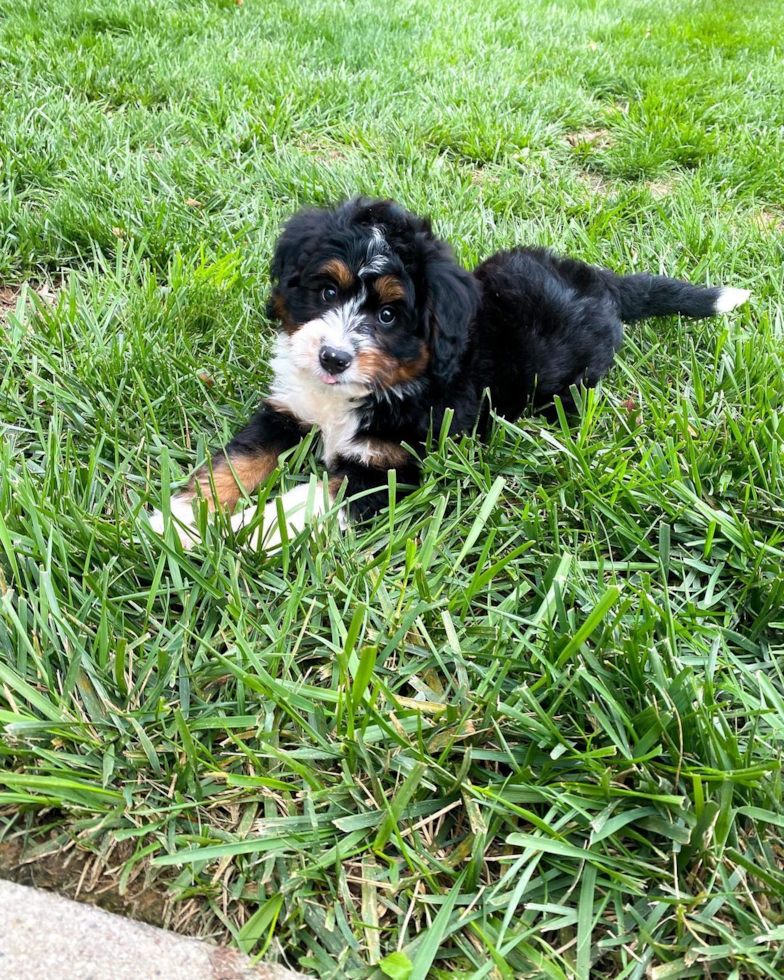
(357, 294)
(351, 316)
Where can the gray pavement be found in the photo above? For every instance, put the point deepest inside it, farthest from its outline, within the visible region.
(46, 937)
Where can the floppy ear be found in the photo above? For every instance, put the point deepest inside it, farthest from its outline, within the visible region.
(296, 244)
(297, 241)
(395, 220)
(451, 303)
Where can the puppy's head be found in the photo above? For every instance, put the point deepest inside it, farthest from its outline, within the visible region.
(366, 295)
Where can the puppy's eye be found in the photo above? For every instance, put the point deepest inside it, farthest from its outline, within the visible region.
(328, 293)
(386, 316)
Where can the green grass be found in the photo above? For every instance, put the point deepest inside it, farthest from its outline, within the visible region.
(529, 723)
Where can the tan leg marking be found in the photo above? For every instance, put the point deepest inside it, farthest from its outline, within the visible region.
(250, 470)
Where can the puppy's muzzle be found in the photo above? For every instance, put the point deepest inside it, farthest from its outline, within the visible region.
(335, 361)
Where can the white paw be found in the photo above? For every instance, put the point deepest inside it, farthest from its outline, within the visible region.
(730, 298)
(181, 518)
(301, 506)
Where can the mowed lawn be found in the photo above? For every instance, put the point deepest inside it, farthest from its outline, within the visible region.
(529, 722)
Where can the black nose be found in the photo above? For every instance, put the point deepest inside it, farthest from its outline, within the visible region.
(334, 361)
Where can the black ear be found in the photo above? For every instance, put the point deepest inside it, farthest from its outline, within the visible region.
(390, 216)
(452, 300)
(298, 240)
(300, 236)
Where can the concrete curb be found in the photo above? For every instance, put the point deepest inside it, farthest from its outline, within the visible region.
(46, 936)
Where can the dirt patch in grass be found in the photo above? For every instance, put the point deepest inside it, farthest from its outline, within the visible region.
(83, 875)
(597, 139)
(660, 188)
(769, 221)
(603, 188)
(480, 176)
(595, 184)
(324, 150)
(9, 295)
(8, 299)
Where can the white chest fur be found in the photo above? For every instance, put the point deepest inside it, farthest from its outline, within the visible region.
(331, 407)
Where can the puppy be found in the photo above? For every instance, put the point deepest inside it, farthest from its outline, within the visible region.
(382, 331)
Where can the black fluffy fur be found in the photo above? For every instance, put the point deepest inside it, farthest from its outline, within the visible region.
(525, 324)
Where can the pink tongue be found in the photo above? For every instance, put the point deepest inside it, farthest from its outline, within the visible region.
(328, 379)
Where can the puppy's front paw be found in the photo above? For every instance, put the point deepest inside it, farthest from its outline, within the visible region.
(302, 506)
(181, 519)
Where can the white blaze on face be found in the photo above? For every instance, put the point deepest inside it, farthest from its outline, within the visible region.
(333, 408)
(300, 384)
(376, 255)
(338, 328)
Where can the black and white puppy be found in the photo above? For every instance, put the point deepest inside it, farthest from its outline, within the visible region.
(382, 331)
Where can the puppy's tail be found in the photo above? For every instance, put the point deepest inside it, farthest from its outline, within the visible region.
(643, 295)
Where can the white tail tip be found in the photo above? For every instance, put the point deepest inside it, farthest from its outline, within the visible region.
(730, 298)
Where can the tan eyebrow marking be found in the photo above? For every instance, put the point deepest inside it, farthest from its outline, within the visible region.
(340, 272)
(389, 289)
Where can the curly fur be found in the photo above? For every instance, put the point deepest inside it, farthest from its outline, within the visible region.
(526, 325)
